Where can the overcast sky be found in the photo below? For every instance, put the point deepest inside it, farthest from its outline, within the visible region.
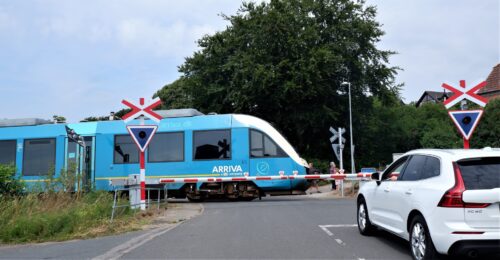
(81, 58)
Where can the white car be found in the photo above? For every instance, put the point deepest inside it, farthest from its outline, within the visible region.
(443, 202)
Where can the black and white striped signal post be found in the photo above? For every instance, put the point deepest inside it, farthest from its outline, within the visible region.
(338, 147)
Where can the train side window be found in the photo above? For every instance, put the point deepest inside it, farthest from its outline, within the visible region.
(166, 147)
(8, 152)
(125, 150)
(262, 145)
(212, 144)
(256, 144)
(39, 156)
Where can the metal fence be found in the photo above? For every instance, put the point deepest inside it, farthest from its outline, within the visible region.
(134, 205)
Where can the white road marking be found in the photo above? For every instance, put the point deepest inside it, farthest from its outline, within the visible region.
(341, 225)
(124, 248)
(326, 230)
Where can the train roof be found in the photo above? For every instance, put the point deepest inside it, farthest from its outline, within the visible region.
(171, 124)
(197, 122)
(32, 131)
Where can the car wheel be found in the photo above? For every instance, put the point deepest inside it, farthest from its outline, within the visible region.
(364, 225)
(421, 246)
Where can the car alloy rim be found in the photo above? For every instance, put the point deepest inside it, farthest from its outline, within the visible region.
(362, 217)
(418, 241)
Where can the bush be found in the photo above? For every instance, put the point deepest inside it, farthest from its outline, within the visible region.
(10, 185)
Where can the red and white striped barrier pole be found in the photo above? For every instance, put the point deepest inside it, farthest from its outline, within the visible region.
(221, 179)
(142, 178)
(142, 171)
(269, 178)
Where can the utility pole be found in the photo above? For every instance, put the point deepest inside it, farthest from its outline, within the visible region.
(353, 169)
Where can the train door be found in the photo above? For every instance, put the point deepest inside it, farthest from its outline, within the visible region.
(79, 164)
(88, 162)
(268, 159)
(72, 166)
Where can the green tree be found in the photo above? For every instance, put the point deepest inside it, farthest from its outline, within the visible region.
(400, 128)
(488, 130)
(284, 61)
(435, 128)
(59, 119)
(118, 116)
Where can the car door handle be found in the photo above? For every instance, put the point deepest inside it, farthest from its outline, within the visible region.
(409, 192)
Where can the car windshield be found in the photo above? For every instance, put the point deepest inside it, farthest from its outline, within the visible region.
(480, 173)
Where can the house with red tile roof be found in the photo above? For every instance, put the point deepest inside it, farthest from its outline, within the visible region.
(492, 88)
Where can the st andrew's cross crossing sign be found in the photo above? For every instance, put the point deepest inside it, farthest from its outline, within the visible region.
(467, 93)
(337, 134)
(337, 147)
(142, 135)
(142, 109)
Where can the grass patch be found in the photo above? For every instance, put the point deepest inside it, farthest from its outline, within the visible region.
(62, 216)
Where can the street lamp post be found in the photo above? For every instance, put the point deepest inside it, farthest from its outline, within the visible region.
(353, 170)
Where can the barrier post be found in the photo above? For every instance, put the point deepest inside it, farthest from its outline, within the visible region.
(143, 182)
(342, 187)
(142, 134)
(114, 206)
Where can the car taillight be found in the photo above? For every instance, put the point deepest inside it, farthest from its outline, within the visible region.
(453, 197)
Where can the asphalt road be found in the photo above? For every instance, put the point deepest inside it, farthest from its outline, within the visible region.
(295, 227)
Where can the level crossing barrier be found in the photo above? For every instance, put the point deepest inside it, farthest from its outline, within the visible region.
(335, 177)
(340, 177)
(346, 176)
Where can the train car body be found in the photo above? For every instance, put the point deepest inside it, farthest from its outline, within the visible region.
(229, 145)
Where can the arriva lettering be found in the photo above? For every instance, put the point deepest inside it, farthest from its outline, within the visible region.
(226, 169)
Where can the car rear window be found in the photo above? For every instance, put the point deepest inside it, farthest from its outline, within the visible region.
(480, 173)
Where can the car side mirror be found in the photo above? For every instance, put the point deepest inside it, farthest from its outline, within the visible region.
(376, 177)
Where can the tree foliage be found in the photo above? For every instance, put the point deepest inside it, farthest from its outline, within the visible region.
(10, 185)
(59, 119)
(488, 130)
(284, 61)
(401, 128)
(118, 116)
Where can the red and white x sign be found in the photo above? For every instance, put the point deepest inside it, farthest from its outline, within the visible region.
(142, 109)
(467, 93)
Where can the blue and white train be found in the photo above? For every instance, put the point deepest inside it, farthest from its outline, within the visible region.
(186, 144)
